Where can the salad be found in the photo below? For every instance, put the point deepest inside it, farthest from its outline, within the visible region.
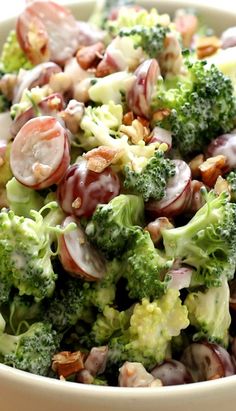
(118, 191)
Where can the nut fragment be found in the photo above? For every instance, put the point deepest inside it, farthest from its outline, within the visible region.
(194, 165)
(104, 69)
(207, 46)
(221, 185)
(136, 132)
(128, 118)
(89, 56)
(154, 228)
(159, 115)
(41, 171)
(66, 363)
(212, 168)
(100, 158)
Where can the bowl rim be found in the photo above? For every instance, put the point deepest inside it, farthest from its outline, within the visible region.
(51, 384)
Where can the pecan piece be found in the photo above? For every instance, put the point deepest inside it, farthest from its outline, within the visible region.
(154, 228)
(90, 56)
(194, 165)
(128, 118)
(160, 114)
(212, 168)
(207, 46)
(101, 157)
(66, 363)
(221, 185)
(136, 132)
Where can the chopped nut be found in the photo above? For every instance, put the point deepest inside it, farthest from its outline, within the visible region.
(212, 168)
(206, 46)
(60, 82)
(104, 69)
(154, 228)
(159, 115)
(136, 132)
(101, 157)
(66, 363)
(89, 56)
(221, 185)
(194, 165)
(77, 203)
(144, 121)
(128, 118)
(41, 171)
(197, 200)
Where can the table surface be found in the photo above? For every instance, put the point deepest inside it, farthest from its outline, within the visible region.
(13, 7)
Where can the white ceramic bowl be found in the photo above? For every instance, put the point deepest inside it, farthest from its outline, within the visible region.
(21, 391)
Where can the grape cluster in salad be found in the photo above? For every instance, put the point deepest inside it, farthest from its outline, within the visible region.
(117, 195)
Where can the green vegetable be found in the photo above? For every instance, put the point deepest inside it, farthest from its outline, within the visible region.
(13, 58)
(202, 105)
(207, 242)
(23, 199)
(23, 310)
(231, 179)
(152, 180)
(25, 252)
(145, 268)
(209, 313)
(152, 326)
(31, 351)
(150, 39)
(114, 225)
(4, 103)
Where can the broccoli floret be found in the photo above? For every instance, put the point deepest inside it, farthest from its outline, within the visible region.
(145, 268)
(31, 351)
(231, 179)
(25, 252)
(23, 311)
(113, 225)
(109, 322)
(4, 103)
(111, 88)
(2, 324)
(23, 199)
(69, 304)
(202, 105)
(152, 180)
(207, 242)
(13, 58)
(150, 39)
(152, 326)
(209, 313)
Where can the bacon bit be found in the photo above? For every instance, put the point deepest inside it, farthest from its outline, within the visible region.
(128, 118)
(207, 46)
(101, 157)
(104, 69)
(77, 203)
(136, 132)
(66, 363)
(221, 185)
(194, 165)
(159, 115)
(186, 25)
(212, 168)
(89, 56)
(41, 171)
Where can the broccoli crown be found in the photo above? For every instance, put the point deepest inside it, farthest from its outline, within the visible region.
(231, 179)
(202, 106)
(4, 103)
(209, 313)
(31, 351)
(69, 304)
(23, 199)
(207, 242)
(113, 225)
(25, 252)
(150, 39)
(13, 58)
(145, 268)
(152, 180)
(109, 322)
(152, 326)
(23, 310)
